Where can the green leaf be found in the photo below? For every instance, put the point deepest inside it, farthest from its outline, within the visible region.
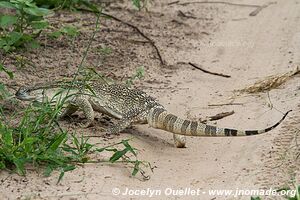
(19, 163)
(14, 37)
(129, 147)
(55, 34)
(61, 175)
(136, 167)
(137, 3)
(111, 149)
(105, 50)
(65, 169)
(36, 11)
(30, 140)
(7, 20)
(29, 3)
(70, 31)
(49, 169)
(33, 44)
(3, 95)
(7, 138)
(57, 141)
(255, 198)
(69, 168)
(6, 4)
(117, 155)
(39, 25)
(9, 73)
(2, 165)
(99, 149)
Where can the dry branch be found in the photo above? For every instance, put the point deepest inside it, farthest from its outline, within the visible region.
(257, 10)
(205, 71)
(220, 115)
(140, 32)
(217, 117)
(225, 104)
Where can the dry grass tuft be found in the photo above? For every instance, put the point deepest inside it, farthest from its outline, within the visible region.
(269, 83)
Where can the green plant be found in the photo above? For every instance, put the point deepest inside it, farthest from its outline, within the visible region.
(256, 198)
(4, 69)
(137, 3)
(24, 26)
(38, 140)
(69, 31)
(3, 92)
(66, 4)
(104, 50)
(139, 73)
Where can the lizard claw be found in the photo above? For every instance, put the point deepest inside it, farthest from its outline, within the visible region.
(86, 124)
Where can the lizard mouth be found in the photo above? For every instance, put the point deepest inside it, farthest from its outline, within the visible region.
(25, 97)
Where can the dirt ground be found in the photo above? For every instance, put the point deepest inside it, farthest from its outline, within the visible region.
(219, 37)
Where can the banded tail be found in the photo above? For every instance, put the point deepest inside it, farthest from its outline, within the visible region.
(161, 119)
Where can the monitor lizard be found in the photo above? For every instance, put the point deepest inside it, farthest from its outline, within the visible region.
(128, 106)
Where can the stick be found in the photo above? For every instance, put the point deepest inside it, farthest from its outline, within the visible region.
(140, 32)
(220, 2)
(220, 116)
(180, 13)
(225, 104)
(205, 71)
(174, 2)
(257, 10)
(217, 117)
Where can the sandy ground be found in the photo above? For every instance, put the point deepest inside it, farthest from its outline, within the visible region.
(219, 37)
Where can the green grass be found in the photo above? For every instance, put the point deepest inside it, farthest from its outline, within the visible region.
(39, 141)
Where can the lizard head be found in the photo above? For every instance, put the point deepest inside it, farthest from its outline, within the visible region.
(44, 94)
(24, 94)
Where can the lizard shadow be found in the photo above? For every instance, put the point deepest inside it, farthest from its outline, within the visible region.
(105, 122)
(146, 137)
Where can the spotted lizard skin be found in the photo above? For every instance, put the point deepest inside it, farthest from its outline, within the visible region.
(131, 106)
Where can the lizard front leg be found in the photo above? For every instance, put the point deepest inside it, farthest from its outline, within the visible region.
(80, 102)
(68, 111)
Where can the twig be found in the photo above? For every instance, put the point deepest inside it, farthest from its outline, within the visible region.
(257, 10)
(225, 104)
(174, 2)
(220, 2)
(217, 117)
(220, 115)
(140, 32)
(182, 14)
(213, 73)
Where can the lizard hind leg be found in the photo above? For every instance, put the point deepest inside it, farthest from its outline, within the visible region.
(179, 140)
